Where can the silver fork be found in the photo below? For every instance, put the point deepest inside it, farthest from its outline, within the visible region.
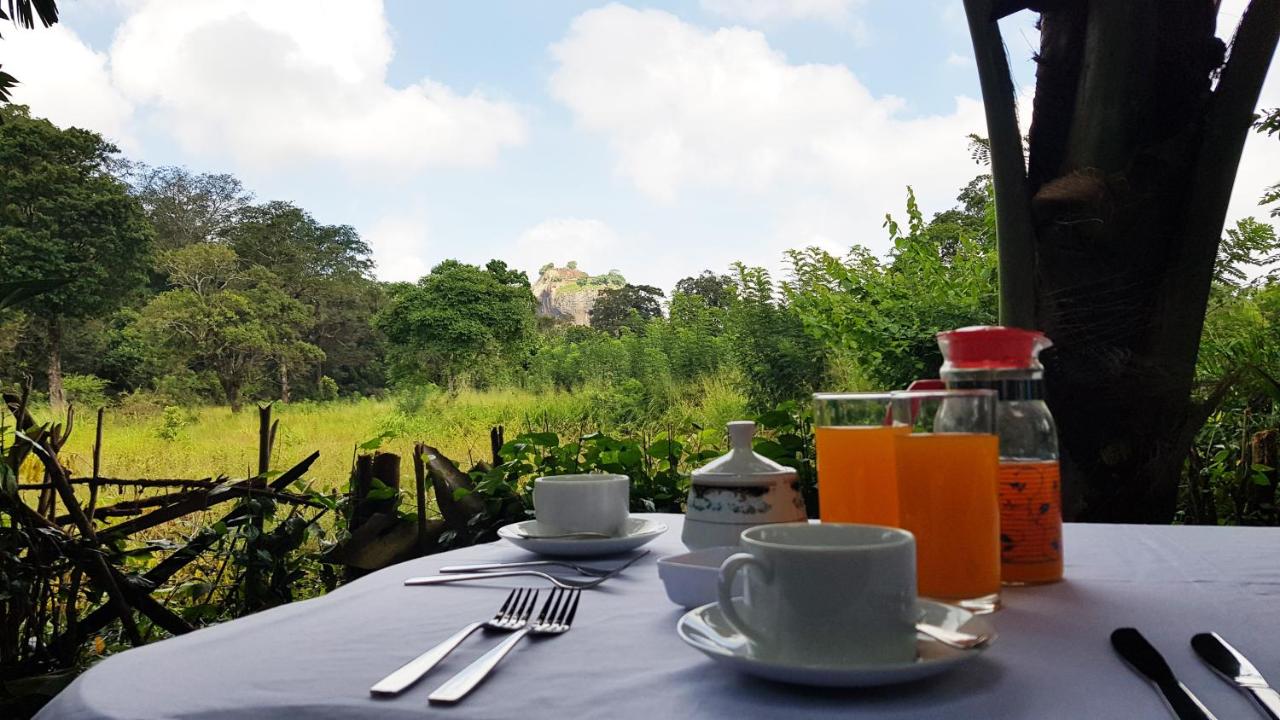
(556, 617)
(562, 583)
(486, 567)
(513, 615)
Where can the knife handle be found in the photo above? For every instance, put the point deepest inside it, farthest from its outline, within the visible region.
(1268, 700)
(1185, 705)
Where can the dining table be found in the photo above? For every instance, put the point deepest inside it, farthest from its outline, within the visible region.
(623, 659)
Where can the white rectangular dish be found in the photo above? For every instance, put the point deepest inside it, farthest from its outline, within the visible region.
(690, 578)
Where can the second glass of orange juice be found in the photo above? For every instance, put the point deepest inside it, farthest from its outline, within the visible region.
(947, 465)
(857, 477)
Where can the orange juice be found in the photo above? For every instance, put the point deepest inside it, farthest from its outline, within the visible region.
(1030, 522)
(948, 499)
(857, 481)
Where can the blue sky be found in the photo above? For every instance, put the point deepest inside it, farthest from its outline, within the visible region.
(658, 138)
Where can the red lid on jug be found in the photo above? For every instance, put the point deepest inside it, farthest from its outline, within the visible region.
(991, 346)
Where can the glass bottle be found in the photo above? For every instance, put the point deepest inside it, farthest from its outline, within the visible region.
(1006, 360)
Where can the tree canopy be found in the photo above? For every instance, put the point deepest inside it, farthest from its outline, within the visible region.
(445, 325)
(627, 306)
(64, 215)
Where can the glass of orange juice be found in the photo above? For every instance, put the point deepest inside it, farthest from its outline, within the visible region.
(948, 492)
(857, 480)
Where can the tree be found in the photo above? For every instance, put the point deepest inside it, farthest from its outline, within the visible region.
(879, 319)
(627, 306)
(185, 208)
(23, 14)
(455, 319)
(223, 318)
(715, 290)
(63, 215)
(778, 359)
(329, 269)
(1109, 226)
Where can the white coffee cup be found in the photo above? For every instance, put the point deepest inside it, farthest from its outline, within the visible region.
(581, 503)
(825, 594)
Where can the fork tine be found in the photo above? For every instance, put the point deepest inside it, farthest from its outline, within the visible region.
(570, 610)
(527, 608)
(546, 609)
(515, 605)
(503, 610)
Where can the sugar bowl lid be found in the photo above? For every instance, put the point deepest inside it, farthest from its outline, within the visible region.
(742, 466)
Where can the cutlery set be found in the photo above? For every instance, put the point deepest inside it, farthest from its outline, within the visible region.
(515, 616)
(1225, 660)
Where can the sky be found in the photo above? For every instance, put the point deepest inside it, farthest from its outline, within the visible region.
(657, 138)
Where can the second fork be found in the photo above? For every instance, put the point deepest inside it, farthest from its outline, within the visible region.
(513, 615)
(554, 619)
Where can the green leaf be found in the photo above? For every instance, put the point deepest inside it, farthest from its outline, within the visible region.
(545, 439)
(774, 419)
(375, 442)
(459, 493)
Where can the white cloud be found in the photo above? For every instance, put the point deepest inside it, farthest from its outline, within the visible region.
(278, 85)
(590, 242)
(759, 12)
(65, 81)
(686, 108)
(959, 60)
(292, 82)
(399, 244)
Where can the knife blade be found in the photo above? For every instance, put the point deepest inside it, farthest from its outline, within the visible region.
(1148, 662)
(1236, 669)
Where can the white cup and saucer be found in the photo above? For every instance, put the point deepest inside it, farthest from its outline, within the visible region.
(582, 515)
(827, 604)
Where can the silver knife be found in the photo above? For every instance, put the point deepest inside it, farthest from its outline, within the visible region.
(1148, 662)
(1237, 670)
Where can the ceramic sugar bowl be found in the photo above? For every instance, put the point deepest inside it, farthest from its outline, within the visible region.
(739, 490)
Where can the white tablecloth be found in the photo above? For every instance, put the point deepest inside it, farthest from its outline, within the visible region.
(317, 659)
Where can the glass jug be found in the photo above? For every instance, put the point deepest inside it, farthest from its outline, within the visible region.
(1006, 360)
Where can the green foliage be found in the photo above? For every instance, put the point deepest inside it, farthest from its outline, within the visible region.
(1248, 246)
(224, 319)
(327, 388)
(715, 290)
(883, 316)
(173, 421)
(64, 216)
(658, 465)
(457, 321)
(626, 307)
(186, 208)
(779, 360)
(86, 391)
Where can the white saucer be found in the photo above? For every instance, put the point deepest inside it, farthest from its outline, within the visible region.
(707, 631)
(637, 532)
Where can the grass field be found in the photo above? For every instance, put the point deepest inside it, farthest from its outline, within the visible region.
(208, 441)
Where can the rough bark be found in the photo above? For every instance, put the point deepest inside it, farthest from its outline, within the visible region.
(1133, 152)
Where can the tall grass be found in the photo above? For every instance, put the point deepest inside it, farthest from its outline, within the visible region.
(209, 441)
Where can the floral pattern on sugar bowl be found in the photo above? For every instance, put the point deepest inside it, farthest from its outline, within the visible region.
(740, 488)
(736, 504)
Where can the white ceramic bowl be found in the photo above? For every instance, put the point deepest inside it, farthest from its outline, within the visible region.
(690, 579)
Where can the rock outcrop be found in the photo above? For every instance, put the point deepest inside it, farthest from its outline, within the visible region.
(567, 293)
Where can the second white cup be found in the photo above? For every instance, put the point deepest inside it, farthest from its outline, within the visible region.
(582, 503)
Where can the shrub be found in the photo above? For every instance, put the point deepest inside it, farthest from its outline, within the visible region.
(86, 391)
(327, 388)
(172, 422)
